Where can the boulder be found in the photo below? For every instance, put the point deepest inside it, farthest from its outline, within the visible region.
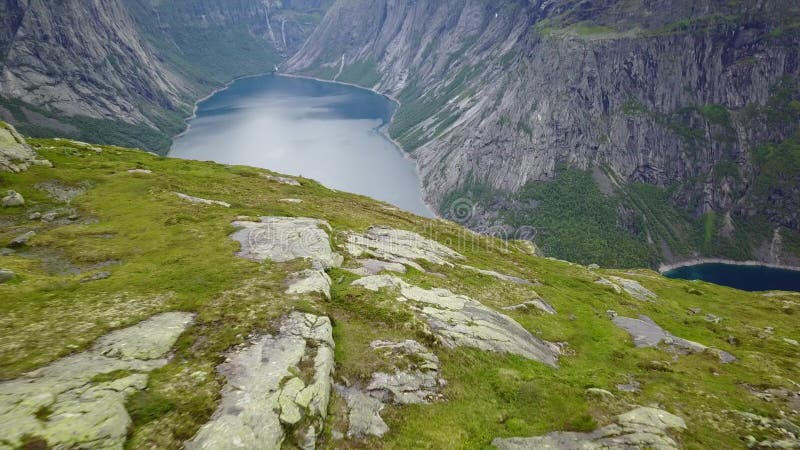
(15, 154)
(22, 240)
(536, 303)
(6, 275)
(13, 199)
(364, 413)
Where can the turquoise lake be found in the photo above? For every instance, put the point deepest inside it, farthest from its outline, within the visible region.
(326, 131)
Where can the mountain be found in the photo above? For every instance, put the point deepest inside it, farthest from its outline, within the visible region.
(150, 302)
(129, 71)
(624, 132)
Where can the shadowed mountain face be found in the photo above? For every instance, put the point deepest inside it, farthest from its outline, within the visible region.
(129, 71)
(672, 116)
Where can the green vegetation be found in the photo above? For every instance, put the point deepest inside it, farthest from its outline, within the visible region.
(173, 255)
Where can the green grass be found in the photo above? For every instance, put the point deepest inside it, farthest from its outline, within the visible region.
(174, 255)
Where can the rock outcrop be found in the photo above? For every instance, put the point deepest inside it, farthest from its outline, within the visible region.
(400, 246)
(202, 201)
(79, 401)
(646, 333)
(415, 380)
(631, 287)
(277, 389)
(458, 320)
(310, 281)
(15, 154)
(640, 428)
(282, 239)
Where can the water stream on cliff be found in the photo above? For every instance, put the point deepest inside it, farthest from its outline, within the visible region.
(326, 131)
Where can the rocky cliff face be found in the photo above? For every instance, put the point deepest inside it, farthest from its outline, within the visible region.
(128, 71)
(498, 95)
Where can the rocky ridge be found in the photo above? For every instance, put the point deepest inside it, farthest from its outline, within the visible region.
(337, 322)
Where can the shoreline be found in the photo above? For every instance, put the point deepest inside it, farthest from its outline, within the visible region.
(383, 129)
(664, 268)
(225, 86)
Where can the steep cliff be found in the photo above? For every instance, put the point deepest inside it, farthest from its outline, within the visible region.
(662, 107)
(129, 71)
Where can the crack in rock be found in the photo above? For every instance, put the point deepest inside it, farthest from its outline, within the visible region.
(82, 411)
(640, 428)
(458, 320)
(283, 239)
(267, 392)
(646, 333)
(399, 246)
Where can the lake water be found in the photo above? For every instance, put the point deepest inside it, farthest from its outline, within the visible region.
(326, 131)
(746, 278)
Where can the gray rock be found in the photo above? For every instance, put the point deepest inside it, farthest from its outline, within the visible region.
(282, 180)
(711, 318)
(13, 199)
(461, 321)
(631, 386)
(376, 266)
(498, 275)
(611, 314)
(646, 333)
(634, 289)
(399, 246)
(418, 382)
(15, 154)
(310, 281)
(96, 277)
(640, 428)
(202, 201)
(6, 275)
(142, 171)
(283, 239)
(264, 396)
(295, 201)
(50, 216)
(536, 303)
(22, 240)
(695, 311)
(599, 393)
(364, 413)
(34, 216)
(592, 267)
(60, 191)
(84, 413)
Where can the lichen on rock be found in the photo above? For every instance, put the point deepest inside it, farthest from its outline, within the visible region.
(400, 246)
(642, 427)
(66, 405)
(283, 239)
(458, 320)
(267, 392)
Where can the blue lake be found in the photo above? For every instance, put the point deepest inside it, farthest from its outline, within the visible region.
(746, 278)
(326, 131)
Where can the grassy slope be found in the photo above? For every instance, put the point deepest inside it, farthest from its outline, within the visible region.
(176, 256)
